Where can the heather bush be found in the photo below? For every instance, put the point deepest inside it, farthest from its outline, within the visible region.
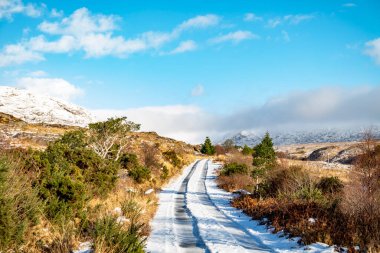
(111, 236)
(235, 182)
(139, 173)
(330, 185)
(247, 150)
(283, 181)
(234, 168)
(173, 158)
(19, 206)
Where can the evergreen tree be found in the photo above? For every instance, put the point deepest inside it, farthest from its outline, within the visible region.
(207, 147)
(264, 156)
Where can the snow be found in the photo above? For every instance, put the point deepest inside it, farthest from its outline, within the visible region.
(149, 191)
(84, 247)
(35, 108)
(163, 237)
(117, 211)
(122, 219)
(216, 226)
(286, 137)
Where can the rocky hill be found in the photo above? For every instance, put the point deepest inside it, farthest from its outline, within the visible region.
(35, 108)
(32, 121)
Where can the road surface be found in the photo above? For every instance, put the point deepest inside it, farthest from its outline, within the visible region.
(188, 220)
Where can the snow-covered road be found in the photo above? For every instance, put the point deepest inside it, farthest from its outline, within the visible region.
(194, 215)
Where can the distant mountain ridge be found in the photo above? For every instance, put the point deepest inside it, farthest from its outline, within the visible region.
(35, 108)
(303, 137)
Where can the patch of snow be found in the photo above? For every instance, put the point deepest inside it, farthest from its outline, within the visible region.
(221, 227)
(222, 200)
(36, 108)
(163, 237)
(129, 189)
(84, 247)
(286, 137)
(117, 211)
(122, 219)
(147, 192)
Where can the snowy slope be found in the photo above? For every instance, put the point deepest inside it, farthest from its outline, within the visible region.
(303, 137)
(35, 108)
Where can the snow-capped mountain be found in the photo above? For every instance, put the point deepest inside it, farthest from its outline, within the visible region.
(35, 108)
(304, 137)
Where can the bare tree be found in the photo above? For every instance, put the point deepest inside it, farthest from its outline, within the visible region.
(362, 198)
(109, 138)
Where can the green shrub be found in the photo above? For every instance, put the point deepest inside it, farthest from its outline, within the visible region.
(128, 161)
(164, 173)
(234, 168)
(110, 236)
(247, 150)
(139, 173)
(64, 195)
(19, 206)
(283, 181)
(69, 173)
(330, 185)
(172, 157)
(309, 193)
(130, 208)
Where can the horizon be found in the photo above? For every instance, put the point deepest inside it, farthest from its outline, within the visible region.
(191, 69)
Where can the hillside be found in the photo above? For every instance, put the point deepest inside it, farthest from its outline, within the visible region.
(35, 108)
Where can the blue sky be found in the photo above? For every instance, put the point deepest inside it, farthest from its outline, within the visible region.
(193, 59)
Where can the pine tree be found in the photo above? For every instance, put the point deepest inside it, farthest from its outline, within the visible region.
(207, 147)
(264, 156)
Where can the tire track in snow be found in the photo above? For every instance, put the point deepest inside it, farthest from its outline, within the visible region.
(249, 241)
(220, 232)
(187, 231)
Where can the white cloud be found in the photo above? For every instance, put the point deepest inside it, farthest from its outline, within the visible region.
(56, 13)
(18, 54)
(10, 7)
(299, 110)
(235, 37)
(38, 73)
(373, 49)
(55, 87)
(274, 22)
(289, 19)
(252, 17)
(97, 45)
(285, 36)
(296, 19)
(64, 44)
(197, 90)
(326, 106)
(184, 46)
(349, 5)
(80, 23)
(93, 35)
(194, 123)
(199, 22)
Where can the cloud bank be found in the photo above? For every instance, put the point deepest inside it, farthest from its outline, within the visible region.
(300, 110)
